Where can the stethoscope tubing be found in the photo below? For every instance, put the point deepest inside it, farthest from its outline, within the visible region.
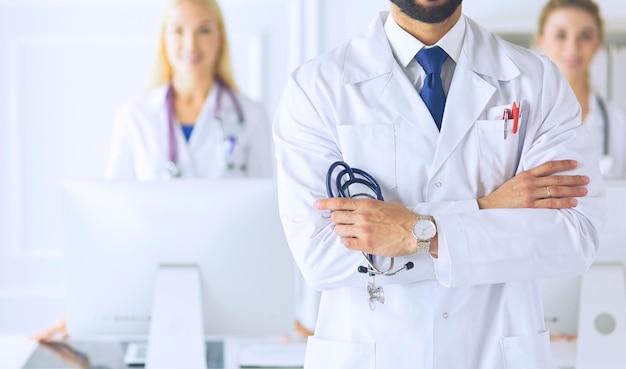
(343, 188)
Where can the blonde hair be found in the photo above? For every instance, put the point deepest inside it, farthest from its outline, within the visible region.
(586, 5)
(163, 71)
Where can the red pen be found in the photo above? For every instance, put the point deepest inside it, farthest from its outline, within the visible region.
(515, 110)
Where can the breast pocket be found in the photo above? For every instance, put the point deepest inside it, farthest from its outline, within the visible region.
(372, 148)
(498, 155)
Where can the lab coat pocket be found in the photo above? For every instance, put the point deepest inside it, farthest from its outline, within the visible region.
(498, 155)
(326, 354)
(527, 352)
(372, 148)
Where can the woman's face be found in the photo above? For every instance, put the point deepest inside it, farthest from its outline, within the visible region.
(570, 38)
(193, 40)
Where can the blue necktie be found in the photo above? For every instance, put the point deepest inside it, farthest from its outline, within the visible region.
(432, 92)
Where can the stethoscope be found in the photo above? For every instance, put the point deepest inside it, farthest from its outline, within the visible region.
(347, 177)
(172, 170)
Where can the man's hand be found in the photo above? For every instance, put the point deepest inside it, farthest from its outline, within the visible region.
(539, 187)
(372, 226)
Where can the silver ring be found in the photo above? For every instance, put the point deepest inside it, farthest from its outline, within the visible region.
(549, 192)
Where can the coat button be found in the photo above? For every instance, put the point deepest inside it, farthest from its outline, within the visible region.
(444, 315)
(438, 184)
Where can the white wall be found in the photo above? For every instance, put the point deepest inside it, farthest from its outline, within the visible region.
(66, 66)
(521, 16)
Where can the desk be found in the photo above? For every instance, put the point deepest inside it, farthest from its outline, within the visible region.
(15, 351)
(108, 352)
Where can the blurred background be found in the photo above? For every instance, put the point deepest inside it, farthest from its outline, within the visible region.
(67, 67)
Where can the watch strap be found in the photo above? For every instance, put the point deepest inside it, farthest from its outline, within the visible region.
(422, 247)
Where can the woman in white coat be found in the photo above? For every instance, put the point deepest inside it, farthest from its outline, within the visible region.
(193, 122)
(507, 205)
(571, 32)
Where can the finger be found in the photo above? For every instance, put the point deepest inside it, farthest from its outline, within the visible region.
(577, 180)
(563, 192)
(340, 217)
(336, 203)
(556, 203)
(352, 243)
(554, 166)
(59, 327)
(346, 231)
(45, 335)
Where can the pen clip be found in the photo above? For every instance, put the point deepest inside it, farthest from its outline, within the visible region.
(505, 117)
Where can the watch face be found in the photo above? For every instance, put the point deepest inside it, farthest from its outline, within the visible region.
(424, 230)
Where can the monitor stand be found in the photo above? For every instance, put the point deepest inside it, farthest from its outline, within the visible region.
(602, 318)
(176, 336)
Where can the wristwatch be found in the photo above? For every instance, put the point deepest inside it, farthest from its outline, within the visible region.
(424, 230)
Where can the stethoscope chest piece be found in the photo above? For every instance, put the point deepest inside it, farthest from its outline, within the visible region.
(172, 170)
(374, 294)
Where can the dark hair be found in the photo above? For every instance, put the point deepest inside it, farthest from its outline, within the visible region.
(586, 5)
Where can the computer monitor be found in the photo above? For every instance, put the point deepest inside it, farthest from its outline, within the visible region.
(561, 296)
(118, 233)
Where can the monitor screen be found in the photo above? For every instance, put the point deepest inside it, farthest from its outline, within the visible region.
(117, 233)
(561, 296)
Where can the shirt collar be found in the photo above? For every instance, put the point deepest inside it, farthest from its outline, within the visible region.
(405, 46)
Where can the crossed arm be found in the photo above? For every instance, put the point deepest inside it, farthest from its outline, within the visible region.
(384, 228)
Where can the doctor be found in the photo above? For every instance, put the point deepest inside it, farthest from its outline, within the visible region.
(508, 208)
(571, 33)
(193, 122)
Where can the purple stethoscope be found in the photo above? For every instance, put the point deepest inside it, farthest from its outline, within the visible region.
(172, 169)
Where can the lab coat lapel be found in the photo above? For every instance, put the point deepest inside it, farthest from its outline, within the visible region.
(399, 94)
(467, 98)
(470, 91)
(370, 62)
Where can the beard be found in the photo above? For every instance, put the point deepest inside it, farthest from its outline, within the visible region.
(427, 14)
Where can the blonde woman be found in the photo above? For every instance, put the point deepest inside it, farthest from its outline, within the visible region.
(193, 122)
(570, 32)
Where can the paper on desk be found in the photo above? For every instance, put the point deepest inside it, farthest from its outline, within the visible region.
(272, 354)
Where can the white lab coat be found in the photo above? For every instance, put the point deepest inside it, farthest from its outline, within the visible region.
(478, 305)
(614, 164)
(140, 140)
